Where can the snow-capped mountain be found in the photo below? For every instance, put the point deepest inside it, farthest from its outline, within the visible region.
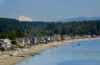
(24, 18)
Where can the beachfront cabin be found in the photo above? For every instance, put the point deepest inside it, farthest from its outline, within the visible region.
(40, 40)
(28, 40)
(93, 36)
(47, 39)
(98, 36)
(86, 36)
(55, 38)
(75, 37)
(23, 41)
(5, 43)
(19, 41)
(66, 37)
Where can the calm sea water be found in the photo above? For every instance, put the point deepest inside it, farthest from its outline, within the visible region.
(77, 53)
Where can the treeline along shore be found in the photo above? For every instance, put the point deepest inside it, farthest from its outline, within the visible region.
(19, 34)
(11, 28)
(18, 37)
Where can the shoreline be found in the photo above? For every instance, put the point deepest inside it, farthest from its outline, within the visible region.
(12, 60)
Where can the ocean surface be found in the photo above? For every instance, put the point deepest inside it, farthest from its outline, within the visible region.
(76, 53)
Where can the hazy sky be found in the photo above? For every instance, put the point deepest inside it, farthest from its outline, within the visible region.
(47, 10)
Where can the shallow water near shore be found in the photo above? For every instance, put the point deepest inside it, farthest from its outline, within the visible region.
(76, 53)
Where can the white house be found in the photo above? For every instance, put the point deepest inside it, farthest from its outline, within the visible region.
(6, 43)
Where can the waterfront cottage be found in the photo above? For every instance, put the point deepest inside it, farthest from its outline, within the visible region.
(46, 38)
(86, 36)
(93, 36)
(23, 41)
(5, 43)
(19, 41)
(66, 37)
(55, 38)
(40, 40)
(76, 37)
(27, 40)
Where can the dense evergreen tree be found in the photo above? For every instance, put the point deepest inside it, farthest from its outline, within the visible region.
(11, 28)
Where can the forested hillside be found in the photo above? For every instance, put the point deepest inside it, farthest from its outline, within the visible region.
(10, 28)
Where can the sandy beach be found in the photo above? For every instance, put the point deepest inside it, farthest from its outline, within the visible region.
(12, 60)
